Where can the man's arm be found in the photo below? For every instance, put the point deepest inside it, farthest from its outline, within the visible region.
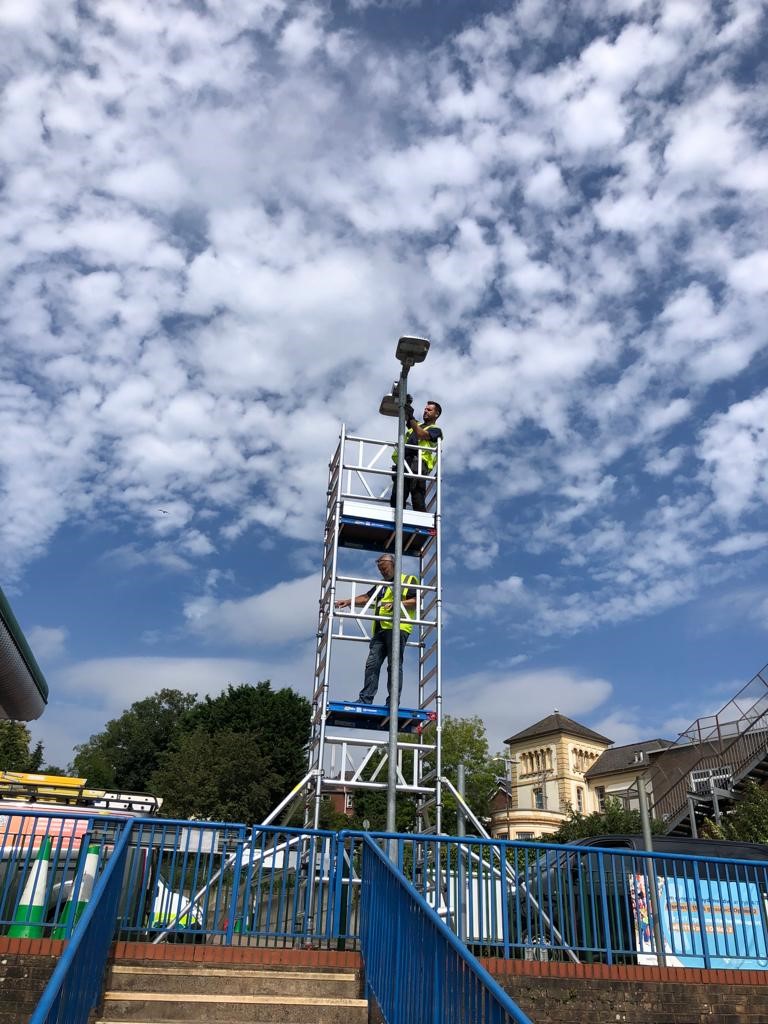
(425, 433)
(346, 602)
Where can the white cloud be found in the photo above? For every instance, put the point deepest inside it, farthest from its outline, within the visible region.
(546, 186)
(741, 542)
(205, 263)
(511, 701)
(734, 449)
(48, 643)
(664, 463)
(284, 613)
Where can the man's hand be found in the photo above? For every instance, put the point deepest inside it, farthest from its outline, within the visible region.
(343, 602)
(409, 413)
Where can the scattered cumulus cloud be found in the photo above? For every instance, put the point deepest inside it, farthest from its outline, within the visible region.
(216, 218)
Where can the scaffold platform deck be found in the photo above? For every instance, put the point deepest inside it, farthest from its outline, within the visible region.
(355, 715)
(370, 525)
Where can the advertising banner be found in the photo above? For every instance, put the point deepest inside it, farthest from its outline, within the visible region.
(723, 919)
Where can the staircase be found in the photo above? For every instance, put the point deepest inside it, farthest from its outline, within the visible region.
(190, 993)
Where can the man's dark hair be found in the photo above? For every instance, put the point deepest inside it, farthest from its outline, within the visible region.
(431, 401)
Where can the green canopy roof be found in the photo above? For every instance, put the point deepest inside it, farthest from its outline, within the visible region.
(23, 689)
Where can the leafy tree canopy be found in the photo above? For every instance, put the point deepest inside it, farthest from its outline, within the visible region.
(219, 777)
(277, 720)
(127, 752)
(465, 742)
(16, 752)
(614, 820)
(236, 756)
(232, 757)
(746, 822)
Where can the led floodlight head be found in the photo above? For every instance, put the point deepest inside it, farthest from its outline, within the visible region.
(412, 350)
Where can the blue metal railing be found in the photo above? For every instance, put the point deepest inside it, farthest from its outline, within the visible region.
(415, 966)
(273, 886)
(41, 866)
(75, 986)
(586, 904)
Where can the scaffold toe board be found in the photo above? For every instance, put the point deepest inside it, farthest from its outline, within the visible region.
(353, 714)
(371, 525)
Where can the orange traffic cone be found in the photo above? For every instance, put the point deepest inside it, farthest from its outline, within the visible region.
(29, 919)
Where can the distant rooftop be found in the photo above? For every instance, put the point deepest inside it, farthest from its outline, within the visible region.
(626, 757)
(555, 723)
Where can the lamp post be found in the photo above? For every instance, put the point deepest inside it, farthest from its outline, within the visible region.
(409, 352)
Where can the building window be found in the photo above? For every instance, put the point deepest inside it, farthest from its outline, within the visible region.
(639, 757)
(538, 798)
(527, 837)
(349, 802)
(600, 794)
(580, 799)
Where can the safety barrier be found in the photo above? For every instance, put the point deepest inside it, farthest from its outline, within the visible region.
(275, 886)
(415, 966)
(76, 984)
(540, 901)
(43, 862)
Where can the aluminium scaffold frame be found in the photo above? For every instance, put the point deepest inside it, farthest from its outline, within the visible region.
(358, 515)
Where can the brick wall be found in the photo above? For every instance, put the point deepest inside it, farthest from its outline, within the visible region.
(25, 967)
(553, 993)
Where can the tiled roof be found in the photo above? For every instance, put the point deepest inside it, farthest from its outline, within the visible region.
(618, 759)
(558, 723)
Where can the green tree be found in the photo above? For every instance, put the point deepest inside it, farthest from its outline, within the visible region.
(463, 741)
(125, 755)
(235, 756)
(746, 822)
(614, 820)
(278, 720)
(222, 776)
(16, 752)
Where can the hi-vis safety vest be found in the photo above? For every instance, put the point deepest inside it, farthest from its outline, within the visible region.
(385, 601)
(427, 450)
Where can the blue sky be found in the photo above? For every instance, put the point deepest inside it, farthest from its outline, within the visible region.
(217, 216)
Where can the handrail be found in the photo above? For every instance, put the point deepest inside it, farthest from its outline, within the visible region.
(75, 986)
(710, 740)
(402, 938)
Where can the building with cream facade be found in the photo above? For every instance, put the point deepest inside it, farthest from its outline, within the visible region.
(557, 765)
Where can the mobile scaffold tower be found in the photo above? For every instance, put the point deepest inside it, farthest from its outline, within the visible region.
(348, 745)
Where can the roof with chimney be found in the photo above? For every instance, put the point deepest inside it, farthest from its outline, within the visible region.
(557, 723)
(626, 757)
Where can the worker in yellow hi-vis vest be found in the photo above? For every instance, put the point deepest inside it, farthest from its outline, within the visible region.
(381, 634)
(421, 461)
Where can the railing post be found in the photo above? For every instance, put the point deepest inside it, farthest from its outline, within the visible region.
(700, 914)
(237, 867)
(604, 906)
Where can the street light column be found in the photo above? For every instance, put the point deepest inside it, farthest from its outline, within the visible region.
(410, 351)
(397, 590)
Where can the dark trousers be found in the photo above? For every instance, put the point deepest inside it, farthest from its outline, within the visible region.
(379, 651)
(416, 486)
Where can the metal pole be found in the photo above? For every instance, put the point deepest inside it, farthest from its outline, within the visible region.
(650, 870)
(692, 812)
(394, 657)
(461, 785)
(461, 830)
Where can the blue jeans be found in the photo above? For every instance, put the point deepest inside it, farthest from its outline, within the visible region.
(379, 651)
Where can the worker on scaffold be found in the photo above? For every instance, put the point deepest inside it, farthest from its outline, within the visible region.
(422, 459)
(381, 633)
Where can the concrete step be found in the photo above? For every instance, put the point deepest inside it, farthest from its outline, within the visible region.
(158, 1007)
(201, 980)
